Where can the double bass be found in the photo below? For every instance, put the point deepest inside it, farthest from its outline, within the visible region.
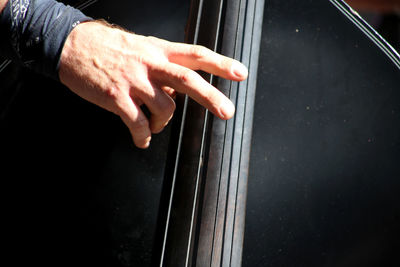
(312, 147)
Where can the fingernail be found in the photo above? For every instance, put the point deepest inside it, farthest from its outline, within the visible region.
(239, 70)
(146, 143)
(227, 110)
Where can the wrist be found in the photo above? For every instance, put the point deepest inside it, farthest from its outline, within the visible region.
(2, 5)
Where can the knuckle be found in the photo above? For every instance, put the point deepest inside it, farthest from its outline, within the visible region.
(146, 90)
(140, 124)
(185, 76)
(199, 51)
(210, 98)
(113, 94)
(153, 39)
(225, 63)
(157, 42)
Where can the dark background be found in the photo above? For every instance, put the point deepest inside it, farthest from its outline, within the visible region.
(76, 192)
(324, 177)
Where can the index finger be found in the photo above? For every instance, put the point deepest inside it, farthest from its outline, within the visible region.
(191, 83)
(198, 57)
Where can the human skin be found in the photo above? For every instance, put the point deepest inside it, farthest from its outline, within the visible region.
(120, 71)
(2, 4)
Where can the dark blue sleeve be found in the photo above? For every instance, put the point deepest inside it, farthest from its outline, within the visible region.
(34, 32)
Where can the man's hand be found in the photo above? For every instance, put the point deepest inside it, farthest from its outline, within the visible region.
(120, 71)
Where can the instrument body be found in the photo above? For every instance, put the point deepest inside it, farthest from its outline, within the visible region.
(323, 175)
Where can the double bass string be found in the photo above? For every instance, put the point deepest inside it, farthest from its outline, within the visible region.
(204, 130)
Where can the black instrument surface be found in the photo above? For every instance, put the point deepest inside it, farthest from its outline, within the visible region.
(324, 170)
(324, 173)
